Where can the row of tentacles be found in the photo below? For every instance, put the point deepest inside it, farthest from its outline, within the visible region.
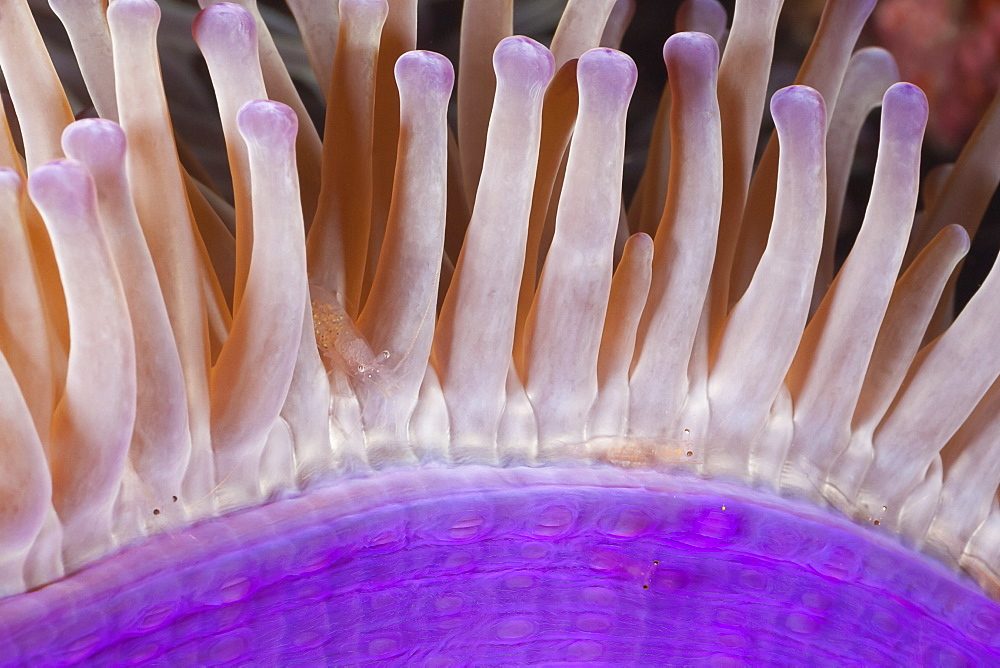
(699, 345)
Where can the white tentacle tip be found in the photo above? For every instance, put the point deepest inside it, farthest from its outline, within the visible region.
(64, 190)
(267, 123)
(424, 73)
(691, 54)
(226, 26)
(904, 111)
(98, 143)
(607, 74)
(800, 110)
(523, 63)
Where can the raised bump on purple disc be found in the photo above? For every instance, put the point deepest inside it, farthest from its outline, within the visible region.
(685, 240)
(90, 433)
(837, 344)
(474, 337)
(747, 374)
(251, 377)
(399, 314)
(161, 442)
(563, 330)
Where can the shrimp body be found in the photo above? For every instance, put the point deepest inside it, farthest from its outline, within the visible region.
(342, 344)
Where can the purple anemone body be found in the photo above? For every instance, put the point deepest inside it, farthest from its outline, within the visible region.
(505, 567)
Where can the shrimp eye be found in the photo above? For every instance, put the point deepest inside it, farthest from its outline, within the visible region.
(382, 356)
(362, 368)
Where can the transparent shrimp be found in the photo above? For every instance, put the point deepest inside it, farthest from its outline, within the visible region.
(344, 347)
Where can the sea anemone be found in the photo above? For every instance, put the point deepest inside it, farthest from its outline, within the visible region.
(431, 394)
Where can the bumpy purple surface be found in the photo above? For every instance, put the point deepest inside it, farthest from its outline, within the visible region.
(479, 566)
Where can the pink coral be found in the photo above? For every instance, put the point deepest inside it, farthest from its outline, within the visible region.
(951, 49)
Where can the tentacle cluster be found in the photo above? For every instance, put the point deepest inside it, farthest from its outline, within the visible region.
(159, 355)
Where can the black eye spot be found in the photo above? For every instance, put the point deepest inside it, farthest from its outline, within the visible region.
(175, 499)
(156, 511)
(645, 586)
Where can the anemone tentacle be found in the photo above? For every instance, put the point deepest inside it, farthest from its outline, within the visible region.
(405, 367)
